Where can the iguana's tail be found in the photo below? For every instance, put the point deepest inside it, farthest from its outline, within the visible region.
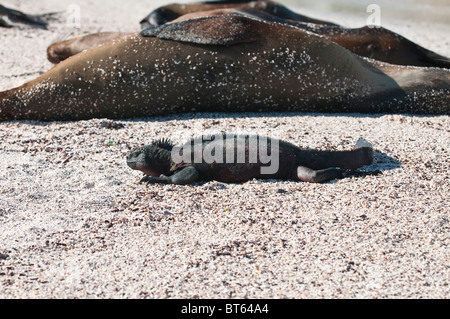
(353, 159)
(350, 159)
(362, 143)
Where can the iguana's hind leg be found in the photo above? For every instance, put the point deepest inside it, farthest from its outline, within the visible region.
(309, 175)
(306, 174)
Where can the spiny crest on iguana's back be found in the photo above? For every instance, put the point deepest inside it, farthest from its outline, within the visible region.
(163, 143)
(247, 137)
(208, 137)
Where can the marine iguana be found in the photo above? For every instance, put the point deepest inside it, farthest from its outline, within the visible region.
(239, 158)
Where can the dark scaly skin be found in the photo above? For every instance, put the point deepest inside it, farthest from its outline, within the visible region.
(314, 166)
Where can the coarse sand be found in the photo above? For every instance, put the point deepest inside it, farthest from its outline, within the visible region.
(74, 222)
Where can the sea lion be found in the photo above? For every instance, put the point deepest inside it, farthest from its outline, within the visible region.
(226, 63)
(60, 51)
(10, 18)
(168, 13)
(376, 43)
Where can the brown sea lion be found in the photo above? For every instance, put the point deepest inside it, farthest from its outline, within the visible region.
(223, 64)
(376, 43)
(379, 44)
(171, 12)
(60, 51)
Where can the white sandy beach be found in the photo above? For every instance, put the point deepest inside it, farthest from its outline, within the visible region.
(74, 222)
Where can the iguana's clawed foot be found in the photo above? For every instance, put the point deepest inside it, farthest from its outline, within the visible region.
(145, 179)
(154, 180)
(185, 176)
(351, 173)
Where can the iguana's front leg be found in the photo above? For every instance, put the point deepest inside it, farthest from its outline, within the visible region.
(156, 180)
(185, 176)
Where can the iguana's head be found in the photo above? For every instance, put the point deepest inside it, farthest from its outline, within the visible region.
(153, 159)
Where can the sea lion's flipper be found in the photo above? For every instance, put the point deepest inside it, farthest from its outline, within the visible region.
(49, 16)
(12, 18)
(60, 51)
(435, 59)
(217, 30)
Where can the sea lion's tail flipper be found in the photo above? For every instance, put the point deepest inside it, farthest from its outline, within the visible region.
(233, 29)
(12, 18)
(49, 16)
(436, 59)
